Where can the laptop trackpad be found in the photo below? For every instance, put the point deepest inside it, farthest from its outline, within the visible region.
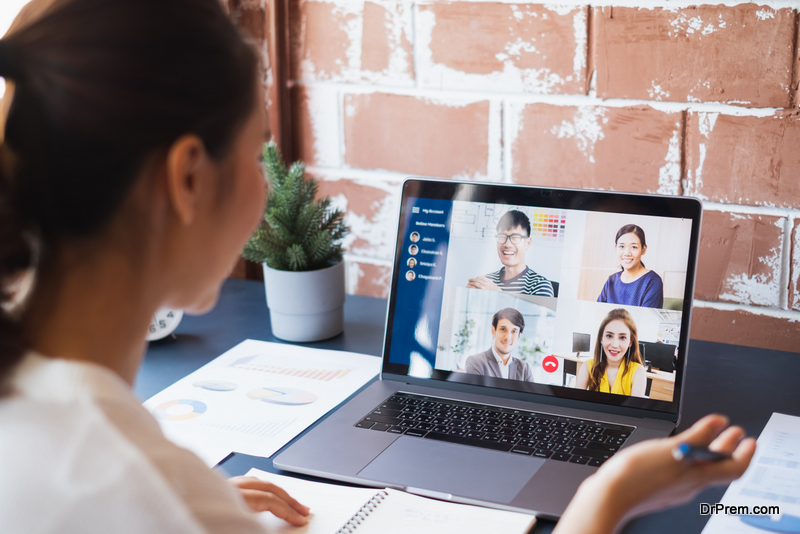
(471, 472)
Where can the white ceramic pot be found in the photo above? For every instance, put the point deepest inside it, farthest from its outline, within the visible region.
(305, 305)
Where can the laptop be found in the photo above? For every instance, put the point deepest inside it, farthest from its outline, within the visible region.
(510, 363)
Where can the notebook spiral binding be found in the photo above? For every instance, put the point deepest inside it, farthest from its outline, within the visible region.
(362, 514)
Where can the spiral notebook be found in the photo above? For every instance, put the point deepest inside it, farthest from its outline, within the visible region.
(347, 510)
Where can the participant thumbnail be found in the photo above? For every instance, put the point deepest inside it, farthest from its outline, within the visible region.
(631, 260)
(514, 249)
(495, 334)
(624, 350)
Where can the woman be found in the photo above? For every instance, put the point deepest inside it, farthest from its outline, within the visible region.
(617, 365)
(129, 181)
(130, 175)
(633, 285)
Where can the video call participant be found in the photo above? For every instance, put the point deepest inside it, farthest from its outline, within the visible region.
(617, 365)
(634, 285)
(513, 241)
(498, 361)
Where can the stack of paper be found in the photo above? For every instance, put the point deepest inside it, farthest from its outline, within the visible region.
(771, 483)
(257, 396)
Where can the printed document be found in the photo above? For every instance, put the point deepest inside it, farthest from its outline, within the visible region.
(257, 396)
(771, 483)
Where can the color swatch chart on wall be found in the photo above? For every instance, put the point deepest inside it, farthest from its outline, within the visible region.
(548, 225)
(480, 220)
(258, 396)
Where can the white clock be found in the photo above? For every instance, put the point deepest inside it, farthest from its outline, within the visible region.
(163, 323)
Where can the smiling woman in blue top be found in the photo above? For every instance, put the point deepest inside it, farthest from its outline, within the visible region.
(634, 285)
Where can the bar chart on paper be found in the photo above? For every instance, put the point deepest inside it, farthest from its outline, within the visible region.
(298, 369)
(258, 396)
(268, 429)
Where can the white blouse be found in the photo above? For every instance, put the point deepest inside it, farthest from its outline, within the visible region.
(79, 454)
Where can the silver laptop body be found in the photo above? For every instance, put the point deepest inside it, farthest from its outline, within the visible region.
(441, 343)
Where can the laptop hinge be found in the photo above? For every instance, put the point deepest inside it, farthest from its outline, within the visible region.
(497, 393)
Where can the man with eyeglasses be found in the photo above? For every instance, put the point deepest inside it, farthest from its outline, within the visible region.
(513, 240)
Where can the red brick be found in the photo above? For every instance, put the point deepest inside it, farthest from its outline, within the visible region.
(318, 39)
(626, 149)
(252, 18)
(371, 208)
(315, 125)
(740, 258)
(383, 34)
(794, 275)
(740, 54)
(739, 327)
(744, 160)
(416, 136)
(368, 279)
(303, 135)
(338, 41)
(530, 48)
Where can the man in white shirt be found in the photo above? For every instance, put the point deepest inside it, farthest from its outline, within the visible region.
(499, 361)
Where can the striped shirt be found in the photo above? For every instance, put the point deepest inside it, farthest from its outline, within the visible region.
(528, 282)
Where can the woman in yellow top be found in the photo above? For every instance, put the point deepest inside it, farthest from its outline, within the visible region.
(617, 364)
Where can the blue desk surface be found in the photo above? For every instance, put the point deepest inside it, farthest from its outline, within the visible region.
(745, 383)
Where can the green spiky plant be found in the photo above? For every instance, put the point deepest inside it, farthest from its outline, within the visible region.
(299, 232)
(462, 336)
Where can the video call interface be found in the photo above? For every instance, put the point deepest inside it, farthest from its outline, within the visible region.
(519, 296)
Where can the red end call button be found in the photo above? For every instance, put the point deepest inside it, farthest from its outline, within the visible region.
(550, 364)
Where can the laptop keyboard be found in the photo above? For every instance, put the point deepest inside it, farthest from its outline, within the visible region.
(533, 434)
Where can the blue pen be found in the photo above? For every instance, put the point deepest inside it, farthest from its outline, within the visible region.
(689, 453)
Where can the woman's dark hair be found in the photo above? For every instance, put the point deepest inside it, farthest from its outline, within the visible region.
(511, 315)
(600, 362)
(632, 229)
(100, 86)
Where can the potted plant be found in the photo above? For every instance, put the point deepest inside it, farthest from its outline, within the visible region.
(461, 338)
(299, 244)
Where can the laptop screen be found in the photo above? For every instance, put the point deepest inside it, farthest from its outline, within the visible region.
(582, 295)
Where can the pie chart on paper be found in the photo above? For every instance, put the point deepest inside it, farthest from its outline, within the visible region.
(179, 410)
(215, 385)
(283, 396)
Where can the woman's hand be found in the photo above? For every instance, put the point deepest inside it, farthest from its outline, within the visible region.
(266, 497)
(646, 477)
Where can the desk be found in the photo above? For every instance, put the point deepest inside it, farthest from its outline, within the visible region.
(717, 378)
(662, 382)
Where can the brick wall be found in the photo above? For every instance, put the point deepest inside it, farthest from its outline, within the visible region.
(670, 98)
